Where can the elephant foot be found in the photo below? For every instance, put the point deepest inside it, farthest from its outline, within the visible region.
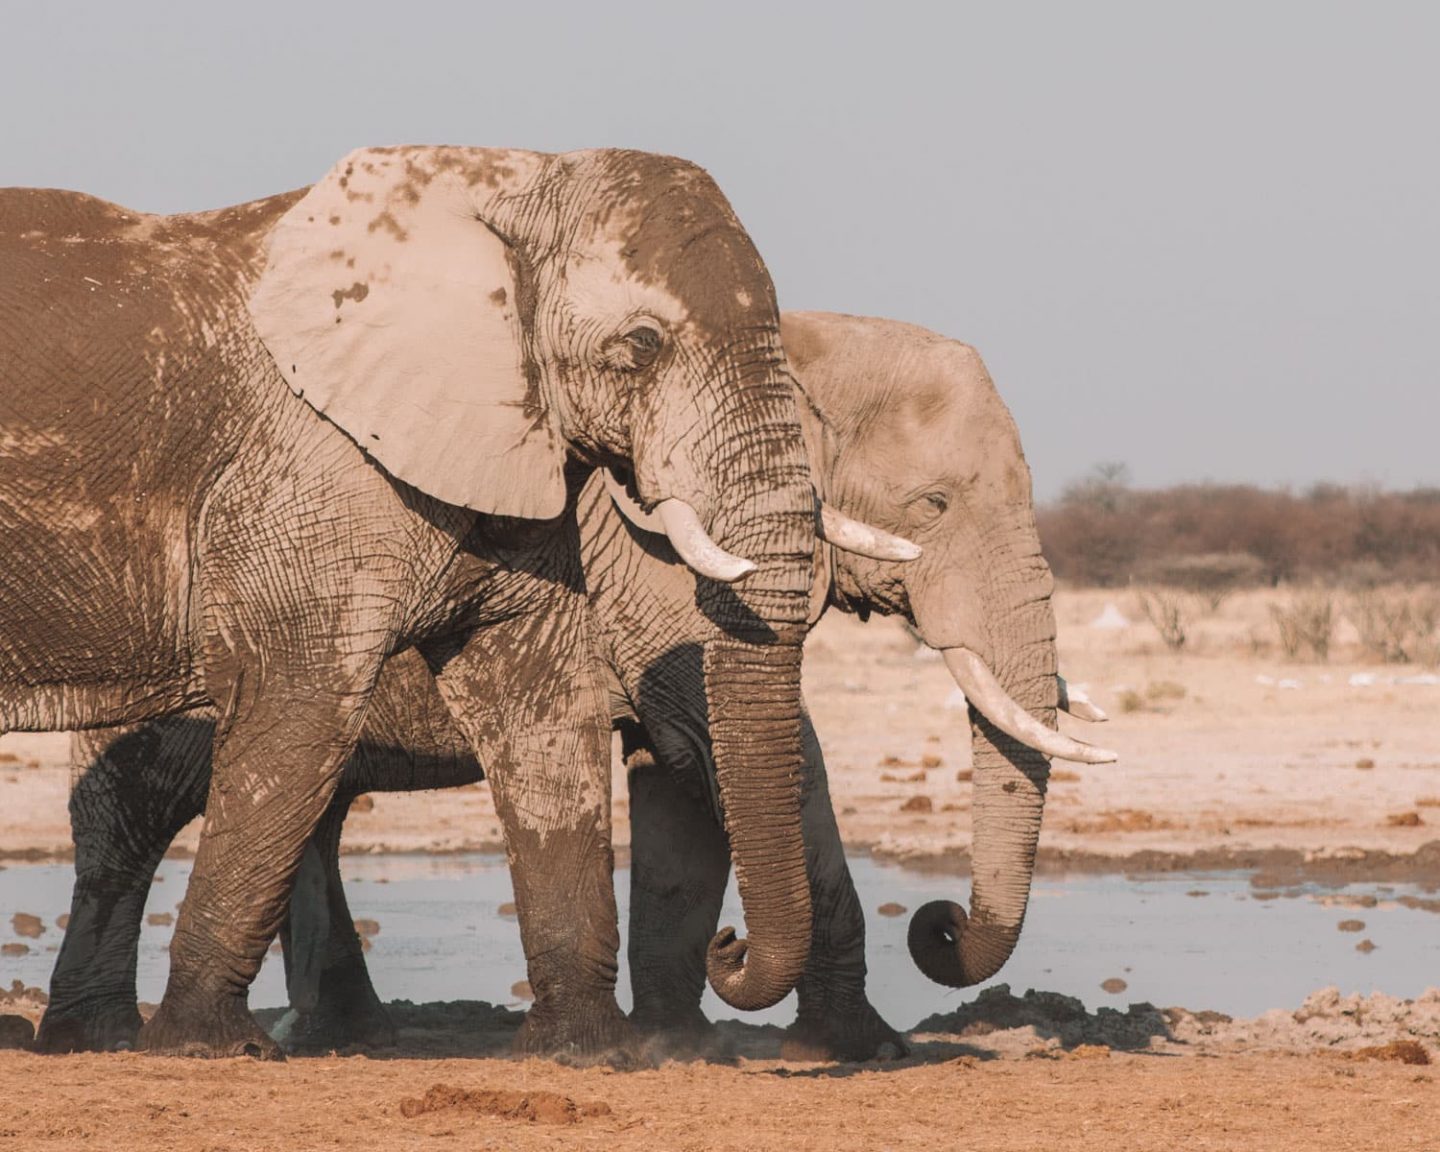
(214, 1030)
(87, 1026)
(681, 1034)
(852, 1033)
(318, 1031)
(348, 1015)
(594, 1032)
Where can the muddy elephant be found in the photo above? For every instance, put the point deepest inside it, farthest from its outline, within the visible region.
(886, 407)
(249, 455)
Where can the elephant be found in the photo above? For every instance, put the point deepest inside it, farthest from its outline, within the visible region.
(247, 456)
(892, 414)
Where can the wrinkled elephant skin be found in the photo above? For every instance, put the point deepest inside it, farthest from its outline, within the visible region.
(249, 455)
(651, 635)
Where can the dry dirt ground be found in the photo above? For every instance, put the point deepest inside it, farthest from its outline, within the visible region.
(1230, 756)
(1135, 1103)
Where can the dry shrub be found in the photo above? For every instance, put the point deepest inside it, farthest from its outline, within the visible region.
(1398, 626)
(1164, 691)
(1257, 643)
(1306, 620)
(1164, 609)
(1210, 577)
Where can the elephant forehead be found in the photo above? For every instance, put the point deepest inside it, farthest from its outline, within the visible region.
(600, 284)
(677, 232)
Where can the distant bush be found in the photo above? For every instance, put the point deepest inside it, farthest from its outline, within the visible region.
(1305, 621)
(1166, 611)
(1397, 626)
(1212, 538)
(1210, 577)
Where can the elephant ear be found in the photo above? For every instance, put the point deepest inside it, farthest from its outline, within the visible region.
(389, 302)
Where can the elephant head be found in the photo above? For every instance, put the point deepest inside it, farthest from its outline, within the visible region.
(467, 316)
(908, 432)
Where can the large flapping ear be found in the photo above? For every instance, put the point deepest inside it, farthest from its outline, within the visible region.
(390, 305)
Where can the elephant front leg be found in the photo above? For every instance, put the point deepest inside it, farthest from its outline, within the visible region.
(836, 1020)
(525, 692)
(679, 862)
(276, 764)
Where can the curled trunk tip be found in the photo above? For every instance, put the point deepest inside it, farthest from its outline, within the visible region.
(951, 949)
(749, 981)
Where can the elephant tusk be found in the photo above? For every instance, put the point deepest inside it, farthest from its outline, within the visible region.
(863, 539)
(991, 700)
(696, 548)
(677, 520)
(1079, 705)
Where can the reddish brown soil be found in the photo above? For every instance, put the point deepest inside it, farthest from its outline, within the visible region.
(1087, 1100)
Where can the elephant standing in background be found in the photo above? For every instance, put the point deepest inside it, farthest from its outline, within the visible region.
(887, 408)
(249, 455)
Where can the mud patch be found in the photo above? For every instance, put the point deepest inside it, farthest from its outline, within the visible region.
(16, 1031)
(1374, 1027)
(1051, 1016)
(531, 1107)
(1397, 1052)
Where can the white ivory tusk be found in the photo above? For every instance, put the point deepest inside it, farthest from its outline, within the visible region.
(863, 539)
(990, 699)
(1079, 705)
(677, 521)
(696, 548)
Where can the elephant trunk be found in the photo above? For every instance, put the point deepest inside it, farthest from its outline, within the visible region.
(752, 684)
(755, 733)
(1010, 777)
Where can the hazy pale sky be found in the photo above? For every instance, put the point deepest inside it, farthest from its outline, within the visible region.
(1202, 240)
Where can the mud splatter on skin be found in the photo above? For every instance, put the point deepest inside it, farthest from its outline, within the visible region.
(357, 292)
(686, 238)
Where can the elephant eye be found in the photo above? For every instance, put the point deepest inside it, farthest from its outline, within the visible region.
(936, 503)
(644, 342)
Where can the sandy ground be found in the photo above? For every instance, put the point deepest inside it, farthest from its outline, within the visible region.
(1003, 1073)
(1229, 756)
(1135, 1103)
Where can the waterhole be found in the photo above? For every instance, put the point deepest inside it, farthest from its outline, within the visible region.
(1198, 940)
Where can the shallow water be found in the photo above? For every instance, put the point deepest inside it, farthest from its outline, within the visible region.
(442, 937)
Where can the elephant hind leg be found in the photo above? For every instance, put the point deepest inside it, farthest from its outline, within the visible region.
(333, 1004)
(133, 792)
